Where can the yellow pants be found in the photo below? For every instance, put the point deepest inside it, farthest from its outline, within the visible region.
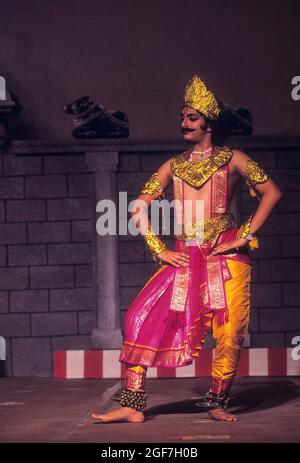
(229, 337)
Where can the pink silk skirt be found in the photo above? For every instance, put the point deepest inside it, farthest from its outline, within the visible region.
(155, 335)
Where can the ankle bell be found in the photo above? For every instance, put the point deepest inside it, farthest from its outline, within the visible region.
(133, 399)
(212, 400)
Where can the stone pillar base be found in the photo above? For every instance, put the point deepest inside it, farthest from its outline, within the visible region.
(108, 339)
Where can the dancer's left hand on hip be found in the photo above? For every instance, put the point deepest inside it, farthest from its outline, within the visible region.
(235, 245)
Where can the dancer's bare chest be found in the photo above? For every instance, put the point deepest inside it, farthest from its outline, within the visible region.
(204, 192)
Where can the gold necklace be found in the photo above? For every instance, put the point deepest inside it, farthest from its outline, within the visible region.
(201, 154)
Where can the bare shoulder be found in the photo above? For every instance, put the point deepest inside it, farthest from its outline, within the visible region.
(239, 160)
(255, 174)
(167, 165)
(165, 170)
(238, 155)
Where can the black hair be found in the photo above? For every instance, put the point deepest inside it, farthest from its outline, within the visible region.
(231, 122)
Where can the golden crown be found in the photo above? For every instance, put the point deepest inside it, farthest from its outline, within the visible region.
(198, 97)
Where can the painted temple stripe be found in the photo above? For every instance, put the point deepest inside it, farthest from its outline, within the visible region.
(186, 372)
(258, 362)
(105, 364)
(277, 362)
(60, 364)
(123, 370)
(93, 364)
(152, 373)
(293, 366)
(203, 363)
(163, 372)
(243, 366)
(111, 364)
(75, 360)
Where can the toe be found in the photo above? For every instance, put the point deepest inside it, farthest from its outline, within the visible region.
(96, 417)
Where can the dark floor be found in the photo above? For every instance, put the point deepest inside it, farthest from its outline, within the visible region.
(49, 410)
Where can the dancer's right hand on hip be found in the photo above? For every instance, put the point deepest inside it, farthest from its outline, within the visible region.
(176, 258)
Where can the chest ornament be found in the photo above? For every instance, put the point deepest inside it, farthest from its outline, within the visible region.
(196, 173)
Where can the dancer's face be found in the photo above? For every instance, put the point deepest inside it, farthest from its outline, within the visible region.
(191, 123)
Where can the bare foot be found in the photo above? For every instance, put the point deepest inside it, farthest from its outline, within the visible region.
(220, 415)
(121, 414)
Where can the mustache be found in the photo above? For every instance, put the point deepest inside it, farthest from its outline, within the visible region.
(187, 130)
(203, 127)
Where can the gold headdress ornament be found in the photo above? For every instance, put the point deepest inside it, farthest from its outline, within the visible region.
(198, 97)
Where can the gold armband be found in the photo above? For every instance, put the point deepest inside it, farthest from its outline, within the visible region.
(154, 243)
(254, 174)
(153, 186)
(244, 231)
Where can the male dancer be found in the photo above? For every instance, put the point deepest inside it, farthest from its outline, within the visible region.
(205, 281)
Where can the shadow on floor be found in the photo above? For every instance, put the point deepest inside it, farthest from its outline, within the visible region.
(246, 399)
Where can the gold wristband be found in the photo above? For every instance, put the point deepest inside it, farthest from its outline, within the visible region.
(244, 231)
(154, 243)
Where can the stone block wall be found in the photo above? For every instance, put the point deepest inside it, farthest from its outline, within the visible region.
(46, 294)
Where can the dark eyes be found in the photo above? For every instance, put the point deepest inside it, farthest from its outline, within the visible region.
(191, 118)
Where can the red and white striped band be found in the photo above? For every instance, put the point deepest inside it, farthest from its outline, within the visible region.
(105, 364)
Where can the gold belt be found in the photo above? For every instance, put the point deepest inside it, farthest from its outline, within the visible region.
(209, 228)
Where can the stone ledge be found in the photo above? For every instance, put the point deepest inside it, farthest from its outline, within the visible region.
(72, 146)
